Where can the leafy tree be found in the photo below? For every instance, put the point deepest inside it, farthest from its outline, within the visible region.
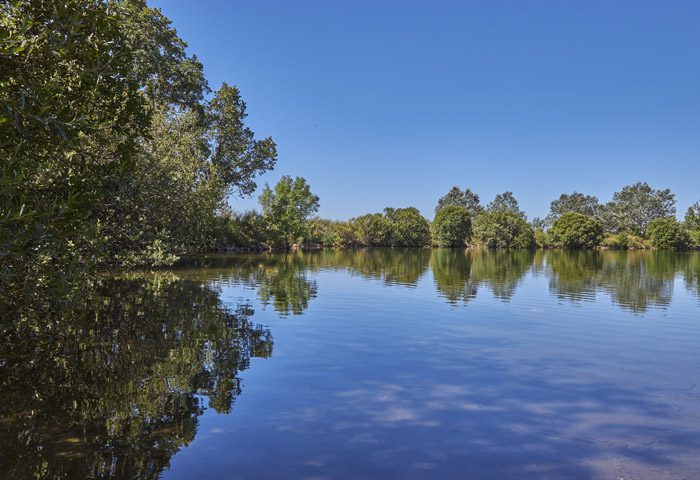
(502, 229)
(634, 207)
(408, 228)
(466, 199)
(371, 230)
(575, 202)
(237, 156)
(451, 227)
(692, 217)
(669, 234)
(71, 115)
(576, 230)
(506, 202)
(287, 208)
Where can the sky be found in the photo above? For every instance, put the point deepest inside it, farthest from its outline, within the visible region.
(391, 103)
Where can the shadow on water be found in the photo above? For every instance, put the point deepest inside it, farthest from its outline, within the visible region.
(111, 387)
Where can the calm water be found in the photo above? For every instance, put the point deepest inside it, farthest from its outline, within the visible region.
(383, 364)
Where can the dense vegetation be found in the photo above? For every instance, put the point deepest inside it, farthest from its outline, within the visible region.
(115, 152)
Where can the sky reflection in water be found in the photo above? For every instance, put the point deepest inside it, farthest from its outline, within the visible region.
(365, 364)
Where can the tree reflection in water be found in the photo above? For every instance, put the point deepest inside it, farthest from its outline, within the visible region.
(111, 387)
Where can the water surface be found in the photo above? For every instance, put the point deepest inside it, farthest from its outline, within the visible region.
(404, 364)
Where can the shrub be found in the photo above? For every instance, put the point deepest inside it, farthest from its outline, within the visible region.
(451, 227)
(371, 230)
(407, 227)
(695, 238)
(576, 230)
(542, 239)
(669, 234)
(500, 229)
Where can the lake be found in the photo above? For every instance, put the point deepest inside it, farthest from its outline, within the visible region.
(364, 364)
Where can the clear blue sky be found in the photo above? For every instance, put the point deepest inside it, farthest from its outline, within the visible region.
(390, 103)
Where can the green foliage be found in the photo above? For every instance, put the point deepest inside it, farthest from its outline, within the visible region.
(502, 229)
(109, 153)
(669, 234)
(692, 217)
(542, 239)
(576, 230)
(576, 202)
(371, 230)
(287, 209)
(451, 227)
(506, 202)
(634, 207)
(624, 241)
(330, 233)
(466, 199)
(407, 227)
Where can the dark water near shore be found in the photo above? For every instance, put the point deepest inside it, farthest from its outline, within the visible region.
(388, 364)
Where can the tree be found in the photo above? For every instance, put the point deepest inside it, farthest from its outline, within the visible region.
(692, 217)
(72, 115)
(506, 202)
(668, 234)
(371, 230)
(576, 230)
(451, 227)
(466, 199)
(635, 206)
(287, 209)
(237, 156)
(501, 229)
(576, 202)
(407, 227)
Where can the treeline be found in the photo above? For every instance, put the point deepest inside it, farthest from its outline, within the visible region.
(637, 217)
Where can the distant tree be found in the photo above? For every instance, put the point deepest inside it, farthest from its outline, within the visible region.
(466, 199)
(408, 227)
(506, 202)
(668, 234)
(635, 206)
(502, 229)
(287, 208)
(451, 227)
(692, 217)
(576, 230)
(575, 202)
(371, 230)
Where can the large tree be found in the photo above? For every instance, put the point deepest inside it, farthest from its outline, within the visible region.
(287, 209)
(109, 151)
(634, 207)
(506, 202)
(466, 199)
(575, 202)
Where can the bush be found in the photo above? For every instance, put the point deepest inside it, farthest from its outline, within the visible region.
(624, 241)
(669, 234)
(576, 230)
(451, 227)
(695, 238)
(500, 229)
(329, 233)
(407, 227)
(542, 239)
(371, 230)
